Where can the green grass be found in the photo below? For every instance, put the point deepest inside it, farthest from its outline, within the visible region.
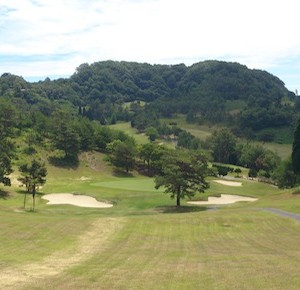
(136, 184)
(282, 135)
(235, 105)
(228, 249)
(144, 241)
(199, 131)
(282, 145)
(126, 127)
(283, 150)
(203, 131)
(128, 104)
(28, 237)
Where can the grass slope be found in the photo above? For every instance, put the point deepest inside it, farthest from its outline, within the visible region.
(203, 131)
(214, 250)
(144, 241)
(126, 127)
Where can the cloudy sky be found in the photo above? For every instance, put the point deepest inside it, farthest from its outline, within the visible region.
(40, 38)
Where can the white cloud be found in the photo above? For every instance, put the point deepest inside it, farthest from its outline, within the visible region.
(66, 33)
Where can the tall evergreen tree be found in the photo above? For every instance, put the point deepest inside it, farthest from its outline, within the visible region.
(7, 148)
(6, 155)
(65, 136)
(122, 155)
(296, 150)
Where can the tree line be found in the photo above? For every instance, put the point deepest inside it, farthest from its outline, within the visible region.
(182, 172)
(68, 116)
(248, 101)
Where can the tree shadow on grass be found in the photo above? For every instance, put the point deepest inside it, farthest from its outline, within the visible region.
(27, 202)
(182, 209)
(120, 173)
(23, 191)
(4, 194)
(64, 162)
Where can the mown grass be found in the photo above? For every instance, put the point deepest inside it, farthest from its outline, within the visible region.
(31, 236)
(199, 131)
(282, 150)
(154, 245)
(228, 249)
(126, 127)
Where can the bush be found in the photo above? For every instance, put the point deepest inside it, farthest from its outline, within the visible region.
(223, 170)
(284, 175)
(266, 137)
(252, 173)
(238, 171)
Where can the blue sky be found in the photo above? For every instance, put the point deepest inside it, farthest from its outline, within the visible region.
(43, 38)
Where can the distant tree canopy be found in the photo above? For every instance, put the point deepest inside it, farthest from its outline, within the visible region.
(210, 92)
(64, 134)
(223, 144)
(151, 154)
(256, 157)
(70, 115)
(122, 155)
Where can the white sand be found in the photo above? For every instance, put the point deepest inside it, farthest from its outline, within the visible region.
(74, 199)
(224, 199)
(229, 183)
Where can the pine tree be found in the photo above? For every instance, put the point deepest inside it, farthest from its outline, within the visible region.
(296, 150)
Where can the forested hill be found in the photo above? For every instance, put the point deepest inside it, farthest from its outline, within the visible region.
(209, 91)
(131, 81)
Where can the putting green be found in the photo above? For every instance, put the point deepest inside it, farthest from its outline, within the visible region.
(136, 184)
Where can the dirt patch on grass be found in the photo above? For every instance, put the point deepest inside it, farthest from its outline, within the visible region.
(94, 160)
(84, 178)
(94, 240)
(14, 180)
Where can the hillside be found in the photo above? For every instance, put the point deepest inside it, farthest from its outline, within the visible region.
(209, 92)
(144, 233)
(136, 238)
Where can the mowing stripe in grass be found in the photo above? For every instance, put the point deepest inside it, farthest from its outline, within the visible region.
(226, 249)
(92, 241)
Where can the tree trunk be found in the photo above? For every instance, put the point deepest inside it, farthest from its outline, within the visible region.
(33, 197)
(178, 197)
(178, 200)
(148, 166)
(25, 199)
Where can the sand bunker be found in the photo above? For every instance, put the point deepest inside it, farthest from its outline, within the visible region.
(224, 199)
(74, 199)
(229, 183)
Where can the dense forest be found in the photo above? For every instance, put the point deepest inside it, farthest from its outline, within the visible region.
(67, 116)
(250, 102)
